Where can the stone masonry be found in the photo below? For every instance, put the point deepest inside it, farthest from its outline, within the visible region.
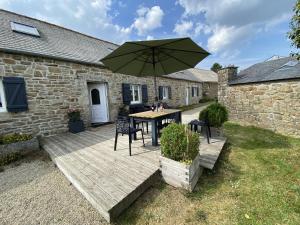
(210, 90)
(270, 105)
(54, 86)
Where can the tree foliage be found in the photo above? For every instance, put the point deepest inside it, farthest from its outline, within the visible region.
(216, 67)
(294, 34)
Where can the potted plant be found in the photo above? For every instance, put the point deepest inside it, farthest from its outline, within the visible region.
(180, 159)
(216, 114)
(75, 122)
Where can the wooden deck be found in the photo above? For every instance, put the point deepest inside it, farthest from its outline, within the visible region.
(110, 180)
(209, 153)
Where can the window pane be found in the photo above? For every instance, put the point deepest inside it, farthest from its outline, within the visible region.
(95, 97)
(1, 100)
(24, 29)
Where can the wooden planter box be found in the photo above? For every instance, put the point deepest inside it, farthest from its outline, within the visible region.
(21, 147)
(179, 174)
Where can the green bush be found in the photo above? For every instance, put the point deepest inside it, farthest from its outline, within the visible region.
(9, 158)
(11, 138)
(179, 143)
(216, 113)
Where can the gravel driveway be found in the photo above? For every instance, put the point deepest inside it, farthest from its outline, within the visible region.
(34, 191)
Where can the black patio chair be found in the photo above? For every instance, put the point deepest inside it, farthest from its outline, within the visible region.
(123, 127)
(136, 108)
(194, 127)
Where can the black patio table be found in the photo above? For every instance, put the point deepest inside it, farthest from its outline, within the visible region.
(155, 117)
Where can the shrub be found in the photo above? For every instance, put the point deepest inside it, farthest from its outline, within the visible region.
(11, 138)
(179, 143)
(215, 113)
(9, 158)
(74, 115)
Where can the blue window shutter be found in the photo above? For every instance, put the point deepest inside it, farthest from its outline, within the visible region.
(15, 94)
(126, 94)
(197, 91)
(144, 93)
(160, 92)
(192, 92)
(169, 92)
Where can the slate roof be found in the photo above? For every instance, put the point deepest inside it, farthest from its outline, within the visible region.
(54, 41)
(195, 74)
(279, 69)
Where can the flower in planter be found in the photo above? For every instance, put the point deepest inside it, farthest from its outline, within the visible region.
(73, 114)
(179, 143)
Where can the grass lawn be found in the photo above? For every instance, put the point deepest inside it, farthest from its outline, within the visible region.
(256, 181)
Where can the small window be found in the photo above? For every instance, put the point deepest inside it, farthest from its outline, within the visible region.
(165, 92)
(25, 29)
(195, 91)
(2, 98)
(135, 94)
(95, 97)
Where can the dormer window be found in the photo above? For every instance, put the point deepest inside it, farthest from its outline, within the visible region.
(25, 29)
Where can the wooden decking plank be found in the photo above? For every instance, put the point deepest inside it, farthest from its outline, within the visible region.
(76, 177)
(110, 186)
(142, 160)
(118, 160)
(145, 161)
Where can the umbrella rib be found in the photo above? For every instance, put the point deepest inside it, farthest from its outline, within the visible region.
(143, 66)
(180, 39)
(160, 61)
(120, 67)
(179, 60)
(181, 50)
(127, 53)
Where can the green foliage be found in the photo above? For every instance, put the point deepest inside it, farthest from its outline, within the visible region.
(15, 137)
(74, 115)
(179, 143)
(9, 158)
(215, 113)
(216, 67)
(294, 34)
(206, 99)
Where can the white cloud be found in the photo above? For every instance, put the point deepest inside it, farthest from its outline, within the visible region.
(233, 23)
(79, 12)
(202, 28)
(224, 38)
(149, 37)
(148, 19)
(183, 28)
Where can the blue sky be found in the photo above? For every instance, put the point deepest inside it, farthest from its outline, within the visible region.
(235, 32)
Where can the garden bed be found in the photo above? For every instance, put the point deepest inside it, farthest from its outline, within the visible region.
(180, 174)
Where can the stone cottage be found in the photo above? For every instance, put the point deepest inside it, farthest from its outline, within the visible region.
(266, 94)
(208, 78)
(46, 69)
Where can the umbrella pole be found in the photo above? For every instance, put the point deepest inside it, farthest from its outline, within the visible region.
(155, 84)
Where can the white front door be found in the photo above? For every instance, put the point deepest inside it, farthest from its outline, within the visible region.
(187, 96)
(98, 102)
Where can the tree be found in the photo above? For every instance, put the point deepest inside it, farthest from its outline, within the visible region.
(294, 34)
(216, 67)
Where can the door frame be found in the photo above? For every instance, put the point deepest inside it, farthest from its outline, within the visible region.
(89, 83)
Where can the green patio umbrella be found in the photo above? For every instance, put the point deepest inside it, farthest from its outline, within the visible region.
(155, 57)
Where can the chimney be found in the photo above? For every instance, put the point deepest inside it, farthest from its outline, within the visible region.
(227, 73)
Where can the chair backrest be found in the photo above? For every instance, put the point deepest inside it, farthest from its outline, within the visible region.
(123, 125)
(136, 108)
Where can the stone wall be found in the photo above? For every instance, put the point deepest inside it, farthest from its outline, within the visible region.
(210, 90)
(54, 86)
(270, 105)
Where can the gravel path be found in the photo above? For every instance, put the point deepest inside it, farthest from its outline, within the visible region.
(34, 191)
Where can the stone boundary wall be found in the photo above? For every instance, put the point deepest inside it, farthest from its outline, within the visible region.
(270, 105)
(53, 86)
(211, 89)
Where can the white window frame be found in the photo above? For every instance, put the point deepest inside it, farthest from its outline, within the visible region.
(137, 87)
(194, 91)
(165, 92)
(2, 96)
(24, 28)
